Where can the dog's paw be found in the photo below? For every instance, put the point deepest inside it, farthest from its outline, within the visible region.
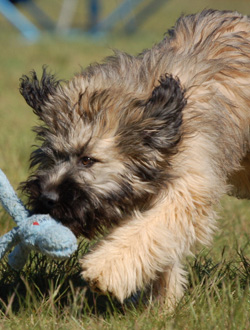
(109, 273)
(93, 274)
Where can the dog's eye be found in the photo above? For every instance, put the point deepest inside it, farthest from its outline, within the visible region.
(87, 161)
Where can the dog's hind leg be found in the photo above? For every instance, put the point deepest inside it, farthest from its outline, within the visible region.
(240, 180)
(169, 286)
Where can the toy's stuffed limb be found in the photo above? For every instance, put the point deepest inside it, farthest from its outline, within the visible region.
(10, 201)
(18, 257)
(8, 241)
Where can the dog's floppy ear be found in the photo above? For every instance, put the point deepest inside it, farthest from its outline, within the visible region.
(163, 114)
(36, 93)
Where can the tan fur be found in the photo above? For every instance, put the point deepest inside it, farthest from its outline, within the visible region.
(215, 71)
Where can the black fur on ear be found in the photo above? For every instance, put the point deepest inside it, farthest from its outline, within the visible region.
(36, 93)
(163, 112)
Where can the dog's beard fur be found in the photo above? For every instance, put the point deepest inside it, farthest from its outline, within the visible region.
(129, 146)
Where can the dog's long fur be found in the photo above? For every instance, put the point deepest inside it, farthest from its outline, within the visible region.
(144, 147)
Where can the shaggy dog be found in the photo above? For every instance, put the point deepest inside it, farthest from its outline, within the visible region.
(142, 148)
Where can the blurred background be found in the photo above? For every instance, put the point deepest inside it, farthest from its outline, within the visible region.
(67, 35)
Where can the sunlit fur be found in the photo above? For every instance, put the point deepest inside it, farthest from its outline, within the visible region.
(168, 131)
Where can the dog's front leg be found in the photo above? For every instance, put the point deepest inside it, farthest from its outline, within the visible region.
(149, 246)
(129, 257)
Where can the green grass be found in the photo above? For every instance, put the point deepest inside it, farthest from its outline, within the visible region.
(51, 295)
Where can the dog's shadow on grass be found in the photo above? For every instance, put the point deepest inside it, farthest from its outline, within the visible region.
(51, 283)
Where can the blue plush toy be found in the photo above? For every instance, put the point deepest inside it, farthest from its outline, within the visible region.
(37, 232)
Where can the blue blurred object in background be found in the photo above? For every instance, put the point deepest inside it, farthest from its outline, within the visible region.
(28, 30)
(130, 10)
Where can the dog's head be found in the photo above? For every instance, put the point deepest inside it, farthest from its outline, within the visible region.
(105, 153)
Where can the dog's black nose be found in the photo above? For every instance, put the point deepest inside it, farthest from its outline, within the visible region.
(49, 199)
